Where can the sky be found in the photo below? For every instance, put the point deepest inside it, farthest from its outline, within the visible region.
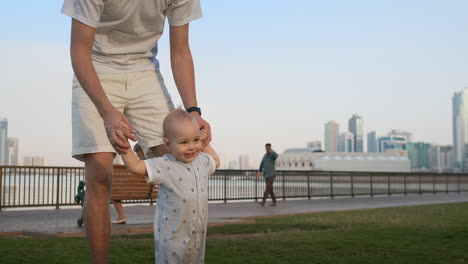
(266, 71)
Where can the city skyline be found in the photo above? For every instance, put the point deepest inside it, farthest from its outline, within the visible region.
(274, 76)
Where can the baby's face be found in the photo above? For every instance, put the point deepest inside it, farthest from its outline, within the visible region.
(185, 143)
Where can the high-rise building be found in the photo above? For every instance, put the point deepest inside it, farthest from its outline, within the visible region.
(316, 145)
(460, 130)
(223, 160)
(331, 136)
(13, 151)
(372, 141)
(446, 159)
(244, 162)
(440, 158)
(356, 126)
(418, 153)
(346, 142)
(35, 161)
(4, 146)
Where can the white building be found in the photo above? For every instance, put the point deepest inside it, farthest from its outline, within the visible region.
(460, 130)
(244, 163)
(441, 158)
(338, 161)
(4, 142)
(223, 160)
(13, 151)
(36, 161)
(233, 165)
(331, 136)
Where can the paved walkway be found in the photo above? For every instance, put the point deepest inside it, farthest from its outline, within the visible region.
(62, 222)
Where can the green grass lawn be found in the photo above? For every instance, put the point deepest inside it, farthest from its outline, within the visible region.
(416, 234)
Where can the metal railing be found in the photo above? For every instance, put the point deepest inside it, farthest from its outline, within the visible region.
(22, 186)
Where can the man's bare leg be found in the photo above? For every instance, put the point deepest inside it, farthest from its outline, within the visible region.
(98, 173)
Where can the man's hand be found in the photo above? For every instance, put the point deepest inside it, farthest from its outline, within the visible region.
(203, 135)
(204, 127)
(259, 174)
(118, 131)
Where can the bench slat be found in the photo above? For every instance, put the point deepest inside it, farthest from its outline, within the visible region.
(129, 186)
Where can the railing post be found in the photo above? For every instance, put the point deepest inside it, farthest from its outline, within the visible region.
(1, 187)
(446, 183)
(433, 184)
(419, 178)
(331, 185)
(256, 187)
(59, 174)
(404, 183)
(352, 185)
(388, 185)
(284, 186)
(371, 185)
(308, 184)
(458, 183)
(225, 187)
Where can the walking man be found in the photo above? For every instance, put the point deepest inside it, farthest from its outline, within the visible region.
(267, 167)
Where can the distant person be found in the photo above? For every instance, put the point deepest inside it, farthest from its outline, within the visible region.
(181, 216)
(267, 167)
(118, 203)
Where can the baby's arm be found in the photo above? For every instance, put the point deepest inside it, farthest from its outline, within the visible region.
(133, 164)
(209, 150)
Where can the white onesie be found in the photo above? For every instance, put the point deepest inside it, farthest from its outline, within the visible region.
(181, 216)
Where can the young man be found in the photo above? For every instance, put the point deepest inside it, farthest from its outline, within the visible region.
(119, 92)
(267, 166)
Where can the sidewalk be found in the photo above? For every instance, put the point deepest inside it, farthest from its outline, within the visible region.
(62, 222)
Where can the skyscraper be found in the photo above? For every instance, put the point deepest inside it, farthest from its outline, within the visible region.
(446, 159)
(244, 162)
(418, 153)
(13, 150)
(460, 130)
(372, 141)
(4, 146)
(346, 142)
(224, 160)
(356, 126)
(331, 136)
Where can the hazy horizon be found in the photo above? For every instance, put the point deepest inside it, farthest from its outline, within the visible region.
(265, 73)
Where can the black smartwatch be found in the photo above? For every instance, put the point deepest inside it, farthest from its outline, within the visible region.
(193, 108)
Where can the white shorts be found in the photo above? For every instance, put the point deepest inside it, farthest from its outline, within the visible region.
(141, 96)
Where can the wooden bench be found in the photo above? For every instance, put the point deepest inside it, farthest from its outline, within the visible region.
(129, 186)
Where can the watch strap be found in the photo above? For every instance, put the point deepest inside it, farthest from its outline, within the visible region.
(193, 108)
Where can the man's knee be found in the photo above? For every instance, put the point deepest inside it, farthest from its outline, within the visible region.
(98, 171)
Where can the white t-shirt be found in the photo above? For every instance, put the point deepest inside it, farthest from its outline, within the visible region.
(181, 216)
(127, 31)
